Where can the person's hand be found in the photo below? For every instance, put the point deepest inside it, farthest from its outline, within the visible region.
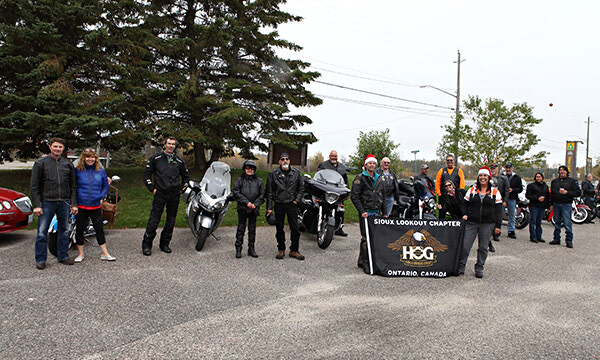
(562, 191)
(154, 192)
(385, 216)
(74, 210)
(541, 198)
(509, 189)
(269, 212)
(38, 211)
(504, 203)
(439, 206)
(497, 231)
(251, 206)
(465, 217)
(295, 202)
(364, 215)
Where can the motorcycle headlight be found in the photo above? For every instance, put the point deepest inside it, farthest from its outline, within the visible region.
(204, 200)
(431, 203)
(331, 198)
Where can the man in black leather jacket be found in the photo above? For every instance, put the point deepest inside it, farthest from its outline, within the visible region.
(167, 169)
(285, 187)
(562, 191)
(53, 191)
(249, 192)
(368, 197)
(333, 164)
(588, 193)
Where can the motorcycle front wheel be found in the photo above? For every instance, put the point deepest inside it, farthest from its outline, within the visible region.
(521, 220)
(579, 215)
(325, 236)
(201, 238)
(53, 243)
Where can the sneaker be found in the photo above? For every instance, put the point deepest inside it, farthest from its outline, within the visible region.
(296, 255)
(40, 265)
(79, 259)
(570, 245)
(478, 274)
(107, 258)
(280, 254)
(66, 261)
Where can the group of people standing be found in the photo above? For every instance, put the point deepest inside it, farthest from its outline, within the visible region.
(58, 187)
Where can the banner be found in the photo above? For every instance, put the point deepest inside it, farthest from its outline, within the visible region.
(413, 247)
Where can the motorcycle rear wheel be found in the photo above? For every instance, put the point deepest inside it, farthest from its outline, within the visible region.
(201, 238)
(579, 215)
(53, 243)
(325, 236)
(598, 212)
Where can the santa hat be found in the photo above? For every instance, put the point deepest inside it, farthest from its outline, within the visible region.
(370, 158)
(485, 170)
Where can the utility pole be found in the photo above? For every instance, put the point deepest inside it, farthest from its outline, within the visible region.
(415, 152)
(457, 116)
(588, 162)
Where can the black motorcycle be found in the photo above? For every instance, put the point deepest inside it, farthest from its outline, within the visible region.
(322, 205)
(416, 200)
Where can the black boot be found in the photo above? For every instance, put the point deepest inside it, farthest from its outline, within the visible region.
(492, 248)
(238, 252)
(251, 251)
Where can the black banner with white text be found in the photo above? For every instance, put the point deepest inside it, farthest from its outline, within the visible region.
(414, 247)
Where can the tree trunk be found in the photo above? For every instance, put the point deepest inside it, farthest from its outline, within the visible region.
(200, 162)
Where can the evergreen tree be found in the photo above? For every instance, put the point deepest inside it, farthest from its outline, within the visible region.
(52, 83)
(224, 87)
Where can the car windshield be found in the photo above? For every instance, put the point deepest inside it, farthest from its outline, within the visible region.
(217, 179)
(330, 177)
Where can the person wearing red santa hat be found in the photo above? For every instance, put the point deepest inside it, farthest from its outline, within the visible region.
(483, 217)
(368, 196)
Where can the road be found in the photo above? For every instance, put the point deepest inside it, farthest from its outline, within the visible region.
(535, 301)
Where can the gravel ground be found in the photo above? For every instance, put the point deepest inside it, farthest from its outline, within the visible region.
(535, 301)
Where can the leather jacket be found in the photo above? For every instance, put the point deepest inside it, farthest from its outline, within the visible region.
(534, 191)
(53, 180)
(166, 173)
(284, 186)
(249, 189)
(368, 196)
(567, 183)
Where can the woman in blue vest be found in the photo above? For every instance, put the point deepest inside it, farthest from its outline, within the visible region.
(92, 186)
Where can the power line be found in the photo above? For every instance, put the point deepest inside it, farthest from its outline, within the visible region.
(385, 106)
(382, 95)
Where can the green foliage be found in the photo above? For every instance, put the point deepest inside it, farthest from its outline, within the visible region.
(127, 156)
(380, 145)
(496, 133)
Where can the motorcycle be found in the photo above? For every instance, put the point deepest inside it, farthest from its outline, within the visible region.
(322, 206)
(208, 201)
(112, 197)
(415, 201)
(521, 213)
(579, 212)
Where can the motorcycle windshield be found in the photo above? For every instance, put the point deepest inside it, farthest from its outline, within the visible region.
(217, 180)
(422, 190)
(330, 177)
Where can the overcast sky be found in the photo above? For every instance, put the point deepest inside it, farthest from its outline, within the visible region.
(538, 52)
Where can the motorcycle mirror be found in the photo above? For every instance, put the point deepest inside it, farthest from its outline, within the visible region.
(412, 178)
(307, 176)
(115, 179)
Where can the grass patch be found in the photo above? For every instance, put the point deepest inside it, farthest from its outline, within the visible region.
(136, 202)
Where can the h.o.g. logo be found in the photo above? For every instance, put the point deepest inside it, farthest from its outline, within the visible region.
(418, 248)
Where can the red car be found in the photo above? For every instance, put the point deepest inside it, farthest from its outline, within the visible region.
(16, 211)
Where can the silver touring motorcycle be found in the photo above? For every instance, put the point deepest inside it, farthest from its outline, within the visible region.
(208, 201)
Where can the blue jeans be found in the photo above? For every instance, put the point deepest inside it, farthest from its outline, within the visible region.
(62, 210)
(389, 203)
(511, 205)
(562, 216)
(535, 222)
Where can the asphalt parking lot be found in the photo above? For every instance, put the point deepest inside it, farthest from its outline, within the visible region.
(535, 301)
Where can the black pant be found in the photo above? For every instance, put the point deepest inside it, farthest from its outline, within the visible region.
(291, 209)
(243, 215)
(82, 222)
(363, 253)
(161, 198)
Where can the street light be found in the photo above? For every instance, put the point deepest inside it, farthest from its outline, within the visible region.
(415, 152)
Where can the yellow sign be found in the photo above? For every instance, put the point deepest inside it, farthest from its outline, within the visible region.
(570, 146)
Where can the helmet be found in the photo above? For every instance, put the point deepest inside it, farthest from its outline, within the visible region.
(271, 220)
(250, 163)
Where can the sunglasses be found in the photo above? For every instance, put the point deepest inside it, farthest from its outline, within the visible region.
(249, 168)
(449, 185)
(284, 159)
(449, 160)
